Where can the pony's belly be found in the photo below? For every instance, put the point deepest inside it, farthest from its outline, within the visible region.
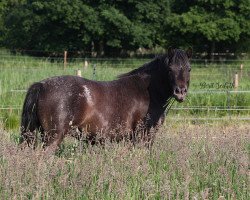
(106, 124)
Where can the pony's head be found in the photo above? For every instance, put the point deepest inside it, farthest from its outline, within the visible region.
(178, 71)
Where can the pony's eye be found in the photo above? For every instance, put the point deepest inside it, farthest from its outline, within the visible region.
(189, 70)
(169, 70)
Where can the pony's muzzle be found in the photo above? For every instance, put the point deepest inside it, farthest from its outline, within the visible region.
(180, 93)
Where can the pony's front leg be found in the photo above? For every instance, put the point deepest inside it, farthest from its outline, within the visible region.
(148, 137)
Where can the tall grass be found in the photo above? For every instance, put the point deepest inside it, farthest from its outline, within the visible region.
(186, 162)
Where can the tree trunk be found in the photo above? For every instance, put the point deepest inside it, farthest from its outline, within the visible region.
(212, 50)
(93, 53)
(100, 49)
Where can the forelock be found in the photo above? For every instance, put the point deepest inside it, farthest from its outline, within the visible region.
(180, 58)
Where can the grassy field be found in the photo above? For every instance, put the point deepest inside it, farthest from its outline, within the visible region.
(186, 162)
(17, 72)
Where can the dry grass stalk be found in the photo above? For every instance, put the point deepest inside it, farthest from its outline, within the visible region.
(185, 162)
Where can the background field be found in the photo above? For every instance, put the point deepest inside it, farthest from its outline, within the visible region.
(211, 93)
(195, 154)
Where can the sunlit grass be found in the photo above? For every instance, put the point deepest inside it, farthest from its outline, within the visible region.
(18, 72)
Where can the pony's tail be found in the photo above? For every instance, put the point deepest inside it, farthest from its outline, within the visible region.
(30, 121)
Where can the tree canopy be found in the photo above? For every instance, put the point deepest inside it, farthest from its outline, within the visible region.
(119, 26)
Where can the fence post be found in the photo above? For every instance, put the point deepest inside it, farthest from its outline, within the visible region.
(228, 104)
(79, 73)
(86, 64)
(65, 60)
(241, 70)
(205, 62)
(236, 81)
(94, 71)
(10, 110)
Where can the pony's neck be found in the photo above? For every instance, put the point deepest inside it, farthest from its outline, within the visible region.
(159, 88)
(160, 96)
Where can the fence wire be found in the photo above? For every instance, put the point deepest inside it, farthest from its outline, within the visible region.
(31, 63)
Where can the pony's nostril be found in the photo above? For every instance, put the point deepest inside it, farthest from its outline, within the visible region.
(180, 90)
(177, 90)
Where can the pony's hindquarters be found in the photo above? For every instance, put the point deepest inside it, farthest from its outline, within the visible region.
(30, 122)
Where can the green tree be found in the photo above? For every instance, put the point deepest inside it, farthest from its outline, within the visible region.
(99, 25)
(3, 5)
(219, 23)
(115, 26)
(131, 24)
(51, 25)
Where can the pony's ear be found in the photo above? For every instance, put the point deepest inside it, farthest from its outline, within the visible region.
(189, 52)
(170, 52)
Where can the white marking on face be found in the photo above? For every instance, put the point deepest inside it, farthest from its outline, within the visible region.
(87, 94)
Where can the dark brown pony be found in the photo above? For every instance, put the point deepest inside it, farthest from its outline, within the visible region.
(56, 106)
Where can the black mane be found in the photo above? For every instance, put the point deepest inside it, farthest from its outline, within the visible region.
(178, 56)
(147, 68)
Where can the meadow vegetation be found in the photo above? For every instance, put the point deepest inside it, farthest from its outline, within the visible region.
(18, 72)
(186, 162)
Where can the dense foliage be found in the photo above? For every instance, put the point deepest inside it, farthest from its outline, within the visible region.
(119, 26)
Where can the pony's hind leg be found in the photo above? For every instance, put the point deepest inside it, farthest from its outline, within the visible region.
(28, 138)
(53, 138)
